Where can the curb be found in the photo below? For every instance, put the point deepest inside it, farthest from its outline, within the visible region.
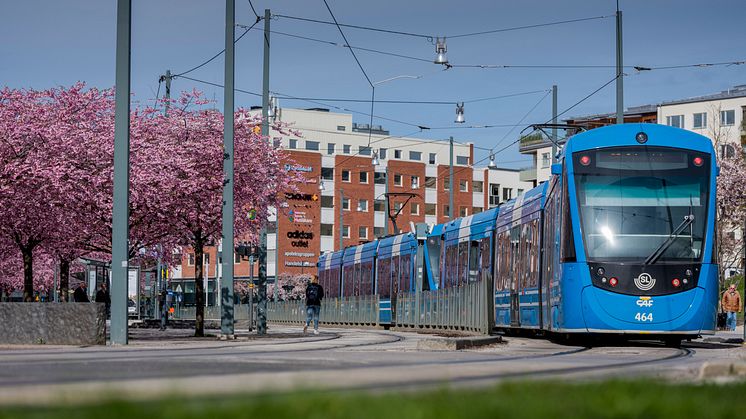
(719, 369)
(455, 344)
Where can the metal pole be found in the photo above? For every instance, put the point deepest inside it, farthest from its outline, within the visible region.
(619, 67)
(341, 218)
(262, 316)
(226, 280)
(554, 121)
(120, 215)
(160, 283)
(168, 91)
(386, 203)
(450, 186)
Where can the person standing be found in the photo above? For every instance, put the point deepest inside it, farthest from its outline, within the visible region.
(81, 295)
(102, 296)
(314, 295)
(731, 304)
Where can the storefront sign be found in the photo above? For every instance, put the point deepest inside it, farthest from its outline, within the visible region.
(302, 196)
(299, 263)
(298, 168)
(300, 254)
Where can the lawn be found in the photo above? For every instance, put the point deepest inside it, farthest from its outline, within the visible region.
(542, 399)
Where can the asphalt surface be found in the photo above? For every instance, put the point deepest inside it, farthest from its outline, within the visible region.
(172, 362)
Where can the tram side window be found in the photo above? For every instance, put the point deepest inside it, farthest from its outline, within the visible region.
(348, 276)
(356, 280)
(384, 278)
(449, 268)
(485, 266)
(474, 259)
(534, 281)
(434, 257)
(406, 269)
(567, 249)
(525, 246)
(395, 274)
(502, 260)
(366, 281)
(463, 263)
(515, 257)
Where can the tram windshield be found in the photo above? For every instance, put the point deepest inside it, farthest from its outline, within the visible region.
(633, 199)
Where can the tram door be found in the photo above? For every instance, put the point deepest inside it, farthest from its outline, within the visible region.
(516, 273)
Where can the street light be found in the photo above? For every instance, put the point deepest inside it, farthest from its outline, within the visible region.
(492, 164)
(440, 51)
(460, 113)
(375, 162)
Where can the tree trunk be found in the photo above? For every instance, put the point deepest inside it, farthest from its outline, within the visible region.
(199, 289)
(64, 279)
(28, 273)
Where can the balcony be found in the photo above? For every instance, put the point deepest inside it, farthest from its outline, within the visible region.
(527, 175)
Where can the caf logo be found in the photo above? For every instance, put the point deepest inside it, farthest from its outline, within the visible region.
(645, 282)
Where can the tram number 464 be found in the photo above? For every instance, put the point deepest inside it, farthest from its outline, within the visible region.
(644, 317)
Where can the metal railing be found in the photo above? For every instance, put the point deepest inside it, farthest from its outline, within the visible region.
(460, 308)
(240, 312)
(354, 311)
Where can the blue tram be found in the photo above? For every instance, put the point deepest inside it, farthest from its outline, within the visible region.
(619, 240)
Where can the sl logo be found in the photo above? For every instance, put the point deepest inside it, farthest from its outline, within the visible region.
(645, 282)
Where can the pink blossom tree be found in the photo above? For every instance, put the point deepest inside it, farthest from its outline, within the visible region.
(194, 138)
(731, 210)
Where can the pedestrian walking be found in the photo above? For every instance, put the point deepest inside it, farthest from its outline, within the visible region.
(81, 295)
(102, 296)
(164, 309)
(731, 305)
(314, 295)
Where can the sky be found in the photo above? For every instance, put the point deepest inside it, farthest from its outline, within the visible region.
(48, 43)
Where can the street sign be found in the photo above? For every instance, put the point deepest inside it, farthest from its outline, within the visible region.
(179, 289)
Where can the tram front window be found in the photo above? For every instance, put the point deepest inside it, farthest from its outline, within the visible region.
(632, 199)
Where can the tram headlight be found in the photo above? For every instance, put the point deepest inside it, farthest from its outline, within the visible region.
(676, 282)
(698, 161)
(600, 271)
(585, 160)
(613, 281)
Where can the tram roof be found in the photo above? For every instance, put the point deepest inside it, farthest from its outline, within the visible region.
(624, 135)
(401, 243)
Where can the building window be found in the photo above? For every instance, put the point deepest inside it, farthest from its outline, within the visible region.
(345, 175)
(293, 144)
(414, 209)
(462, 160)
(477, 210)
(397, 206)
(446, 211)
(327, 201)
(415, 182)
(327, 173)
(346, 232)
(675, 121)
(415, 155)
(507, 193)
(236, 258)
(378, 231)
(463, 212)
(398, 180)
(727, 151)
(477, 186)
(430, 209)
(364, 150)
(446, 183)
(379, 205)
(379, 178)
(206, 259)
(276, 142)
(544, 160)
(327, 229)
(463, 185)
(346, 204)
(271, 227)
(346, 149)
(341, 128)
(190, 259)
(362, 205)
(397, 154)
(432, 160)
(727, 117)
(362, 232)
(431, 182)
(494, 194)
(330, 148)
(381, 153)
(700, 120)
(312, 145)
(364, 177)
(520, 192)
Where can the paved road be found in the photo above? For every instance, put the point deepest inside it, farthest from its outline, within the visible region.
(336, 359)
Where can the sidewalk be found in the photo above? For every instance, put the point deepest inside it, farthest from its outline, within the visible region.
(723, 336)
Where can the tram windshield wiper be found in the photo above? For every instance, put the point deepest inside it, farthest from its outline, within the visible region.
(658, 252)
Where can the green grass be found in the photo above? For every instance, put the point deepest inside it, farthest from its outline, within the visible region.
(551, 400)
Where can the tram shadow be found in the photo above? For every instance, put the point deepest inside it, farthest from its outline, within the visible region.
(599, 341)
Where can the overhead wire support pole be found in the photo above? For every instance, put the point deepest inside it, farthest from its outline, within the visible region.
(450, 184)
(226, 281)
(554, 121)
(120, 215)
(619, 68)
(261, 326)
